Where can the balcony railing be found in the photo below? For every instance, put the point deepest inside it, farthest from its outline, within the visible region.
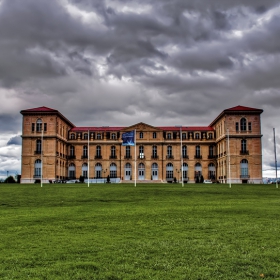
(244, 152)
(127, 157)
(113, 157)
(186, 156)
(141, 157)
(198, 156)
(154, 157)
(37, 152)
(84, 156)
(244, 176)
(71, 157)
(169, 157)
(212, 156)
(98, 157)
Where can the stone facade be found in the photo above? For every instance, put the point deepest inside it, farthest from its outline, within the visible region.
(232, 142)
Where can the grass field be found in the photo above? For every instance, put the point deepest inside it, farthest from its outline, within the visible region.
(161, 231)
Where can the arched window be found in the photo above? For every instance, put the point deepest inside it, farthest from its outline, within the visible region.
(141, 171)
(243, 124)
(169, 171)
(37, 168)
(98, 170)
(39, 125)
(85, 170)
(169, 152)
(197, 170)
(38, 146)
(243, 146)
(154, 171)
(211, 171)
(113, 152)
(185, 171)
(244, 172)
(113, 170)
(185, 151)
(72, 171)
(127, 172)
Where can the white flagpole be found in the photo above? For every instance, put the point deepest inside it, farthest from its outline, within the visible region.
(275, 157)
(135, 157)
(88, 162)
(42, 155)
(228, 159)
(182, 157)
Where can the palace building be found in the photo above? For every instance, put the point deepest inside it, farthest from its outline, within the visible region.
(229, 148)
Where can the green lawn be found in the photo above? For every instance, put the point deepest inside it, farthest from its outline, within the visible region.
(117, 231)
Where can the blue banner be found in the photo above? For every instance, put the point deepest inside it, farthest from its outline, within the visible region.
(128, 138)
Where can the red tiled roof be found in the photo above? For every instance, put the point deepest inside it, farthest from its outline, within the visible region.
(164, 128)
(40, 109)
(242, 108)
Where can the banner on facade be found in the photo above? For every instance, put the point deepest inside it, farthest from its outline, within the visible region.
(128, 138)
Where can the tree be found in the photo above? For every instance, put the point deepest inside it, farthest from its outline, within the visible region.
(10, 180)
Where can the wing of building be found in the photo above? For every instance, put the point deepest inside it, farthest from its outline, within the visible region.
(53, 148)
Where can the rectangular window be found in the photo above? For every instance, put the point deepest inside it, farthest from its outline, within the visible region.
(168, 135)
(184, 136)
(113, 173)
(250, 126)
(154, 135)
(141, 135)
(33, 127)
(237, 126)
(45, 127)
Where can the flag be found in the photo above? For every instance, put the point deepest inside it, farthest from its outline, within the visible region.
(128, 138)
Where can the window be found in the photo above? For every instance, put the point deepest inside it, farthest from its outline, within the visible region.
(72, 150)
(113, 170)
(185, 170)
(71, 171)
(141, 135)
(210, 135)
(154, 151)
(98, 136)
(168, 135)
(211, 151)
(72, 136)
(113, 135)
(243, 124)
(169, 151)
(243, 146)
(184, 151)
(197, 136)
(45, 127)
(184, 136)
(211, 171)
(127, 151)
(197, 151)
(85, 136)
(237, 126)
(169, 171)
(98, 151)
(98, 170)
(39, 125)
(85, 151)
(33, 127)
(85, 170)
(113, 152)
(141, 152)
(154, 135)
(38, 146)
(249, 126)
(37, 168)
(244, 168)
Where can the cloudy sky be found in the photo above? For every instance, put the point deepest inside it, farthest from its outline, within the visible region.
(120, 62)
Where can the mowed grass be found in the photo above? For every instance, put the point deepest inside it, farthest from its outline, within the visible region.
(160, 231)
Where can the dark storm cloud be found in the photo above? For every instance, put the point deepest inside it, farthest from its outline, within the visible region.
(16, 140)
